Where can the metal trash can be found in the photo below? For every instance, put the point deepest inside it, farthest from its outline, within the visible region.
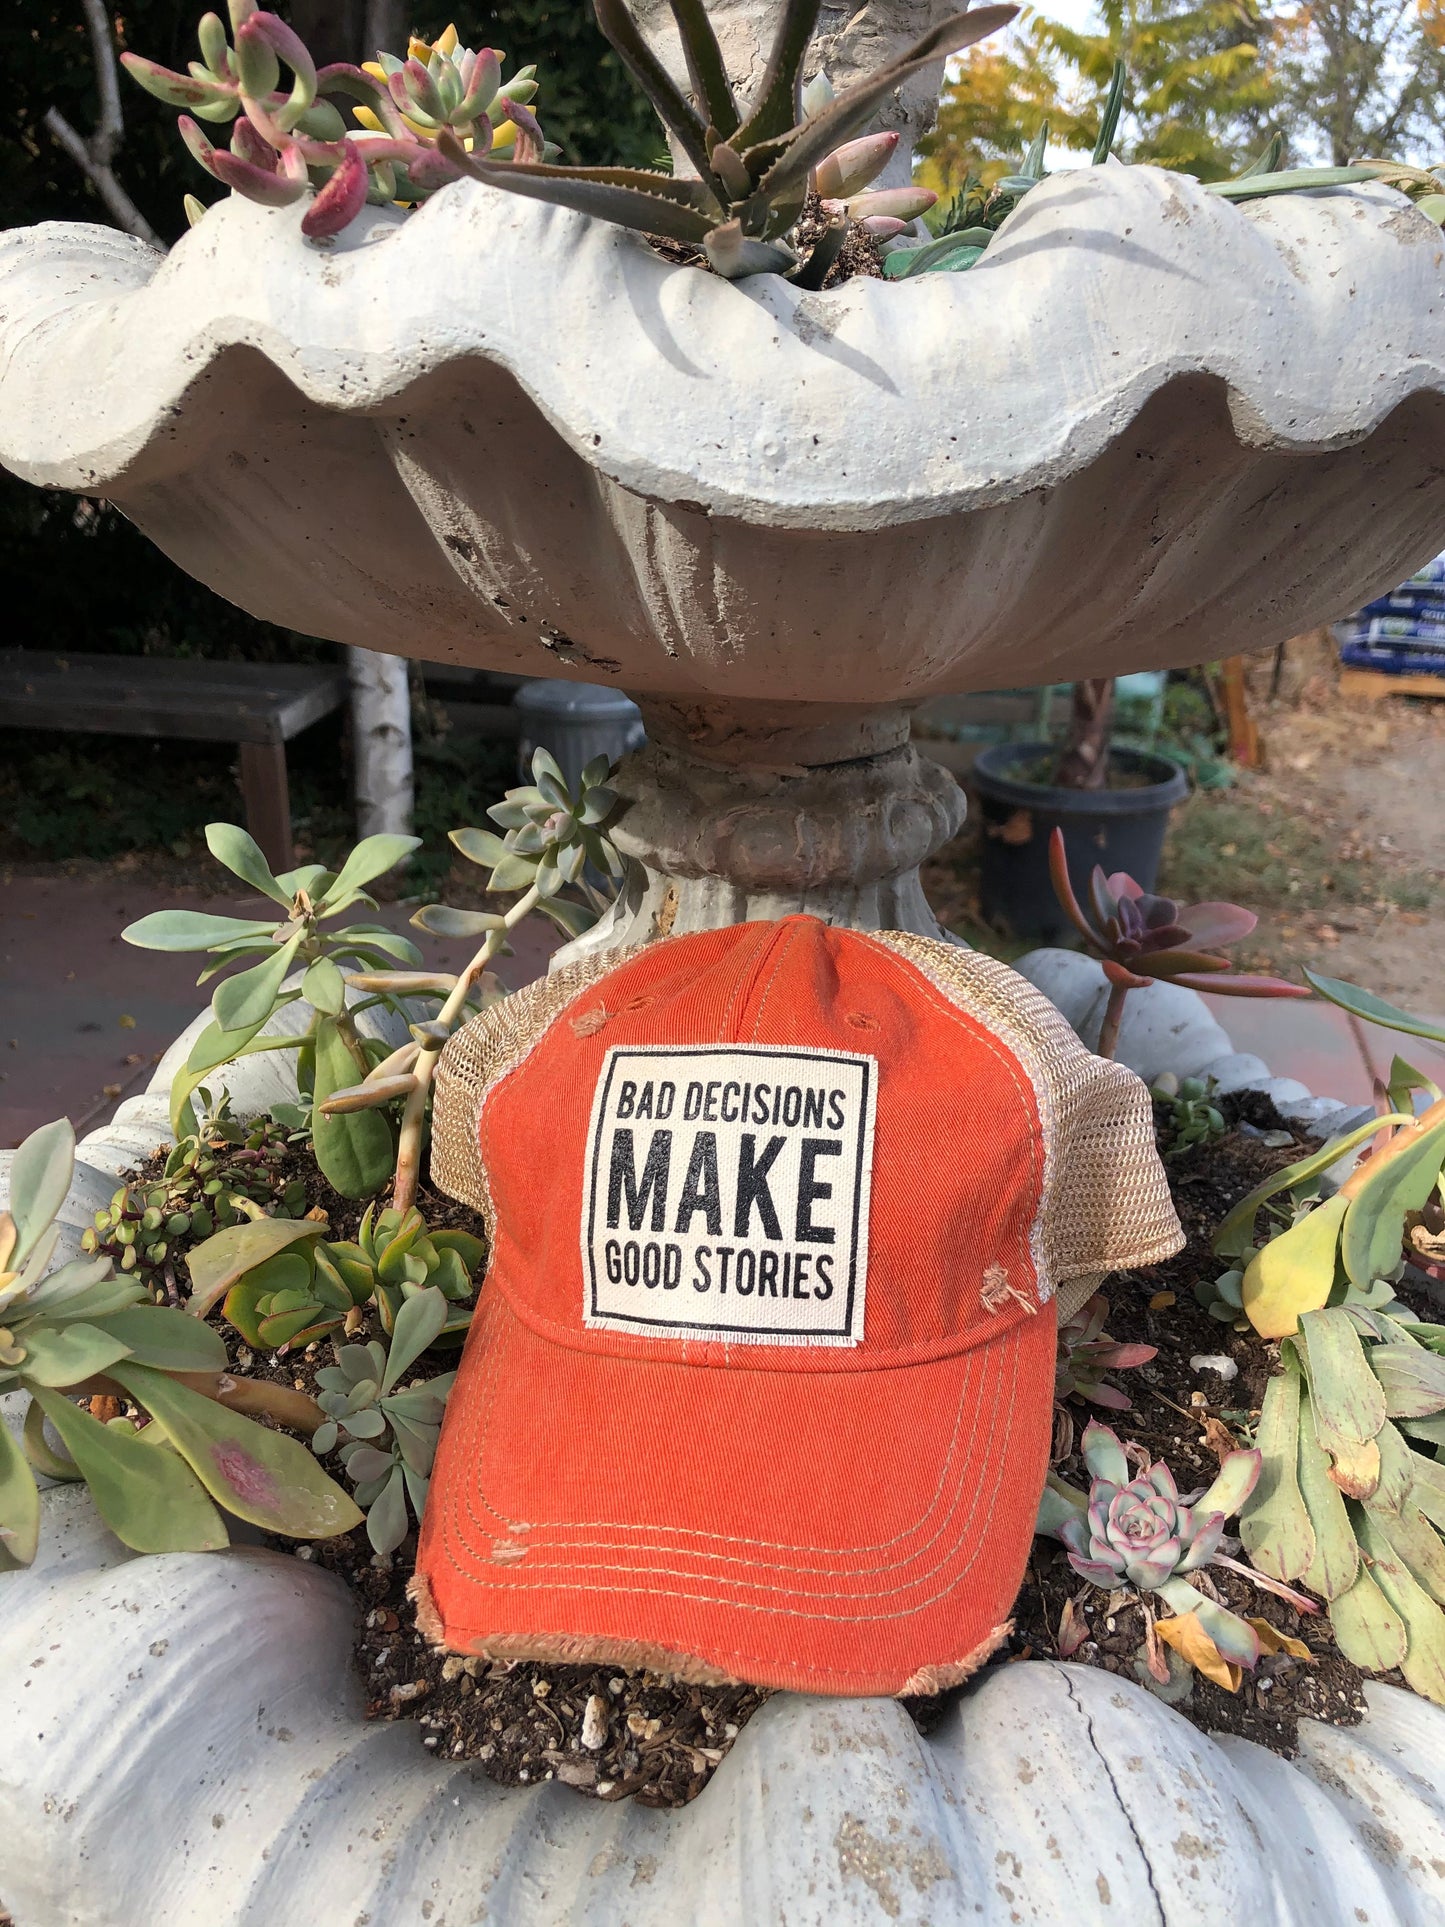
(575, 721)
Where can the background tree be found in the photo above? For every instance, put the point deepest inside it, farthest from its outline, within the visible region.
(1199, 85)
(1361, 77)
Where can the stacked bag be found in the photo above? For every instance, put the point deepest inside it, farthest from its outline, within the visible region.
(1402, 633)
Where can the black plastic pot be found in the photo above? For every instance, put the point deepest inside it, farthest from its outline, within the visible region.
(1122, 829)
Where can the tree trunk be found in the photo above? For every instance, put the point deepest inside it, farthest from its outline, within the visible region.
(1084, 762)
(381, 742)
(349, 29)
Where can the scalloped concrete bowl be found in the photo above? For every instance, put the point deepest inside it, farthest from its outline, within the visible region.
(1150, 428)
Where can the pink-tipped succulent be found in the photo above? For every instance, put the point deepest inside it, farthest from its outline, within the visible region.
(1140, 937)
(1086, 1352)
(1139, 1531)
(287, 145)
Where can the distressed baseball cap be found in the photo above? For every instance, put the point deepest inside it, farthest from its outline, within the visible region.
(760, 1381)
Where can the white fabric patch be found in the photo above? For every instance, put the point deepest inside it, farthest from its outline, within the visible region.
(726, 1193)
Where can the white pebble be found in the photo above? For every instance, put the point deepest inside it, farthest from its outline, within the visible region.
(594, 1724)
(1214, 1362)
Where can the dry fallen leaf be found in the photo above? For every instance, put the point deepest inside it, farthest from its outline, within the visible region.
(1189, 1639)
(1162, 1300)
(1073, 1630)
(1272, 1640)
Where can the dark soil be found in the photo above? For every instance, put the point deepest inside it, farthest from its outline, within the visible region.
(860, 253)
(660, 1740)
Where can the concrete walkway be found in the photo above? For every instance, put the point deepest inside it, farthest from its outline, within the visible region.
(84, 1017)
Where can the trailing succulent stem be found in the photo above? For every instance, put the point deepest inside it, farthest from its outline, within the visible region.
(552, 837)
(161, 1480)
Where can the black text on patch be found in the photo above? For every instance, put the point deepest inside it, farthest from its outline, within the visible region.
(726, 1193)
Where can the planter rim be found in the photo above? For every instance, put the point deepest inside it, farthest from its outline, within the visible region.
(1171, 786)
(846, 410)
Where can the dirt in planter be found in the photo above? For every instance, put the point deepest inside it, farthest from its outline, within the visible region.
(612, 1733)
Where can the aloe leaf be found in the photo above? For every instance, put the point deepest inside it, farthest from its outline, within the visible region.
(936, 256)
(705, 65)
(852, 110)
(775, 108)
(1109, 123)
(1265, 162)
(58, 1355)
(677, 112)
(1336, 1557)
(242, 856)
(371, 858)
(1033, 167)
(1393, 1183)
(223, 1260)
(1417, 1543)
(148, 1496)
(19, 1505)
(1367, 1629)
(1275, 1525)
(630, 197)
(1294, 1273)
(257, 1474)
(1346, 1397)
(171, 1340)
(1292, 181)
(354, 1149)
(40, 1174)
(1423, 1662)
(191, 930)
(1428, 1488)
(417, 1323)
(1236, 1234)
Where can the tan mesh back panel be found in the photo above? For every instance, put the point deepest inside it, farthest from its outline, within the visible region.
(1105, 1206)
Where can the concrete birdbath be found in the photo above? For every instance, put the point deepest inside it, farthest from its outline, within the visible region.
(1150, 427)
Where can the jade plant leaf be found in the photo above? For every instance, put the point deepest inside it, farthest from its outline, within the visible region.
(324, 987)
(259, 1475)
(354, 1149)
(190, 930)
(1394, 1182)
(150, 1498)
(417, 1323)
(250, 996)
(1336, 1557)
(1275, 1525)
(371, 858)
(223, 1260)
(386, 1520)
(19, 1505)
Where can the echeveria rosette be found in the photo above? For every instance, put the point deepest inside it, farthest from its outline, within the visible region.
(1086, 1351)
(1140, 1532)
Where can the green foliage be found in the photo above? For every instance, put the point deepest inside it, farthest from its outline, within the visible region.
(1191, 1117)
(220, 1175)
(1351, 1496)
(315, 1286)
(387, 1437)
(79, 1325)
(271, 948)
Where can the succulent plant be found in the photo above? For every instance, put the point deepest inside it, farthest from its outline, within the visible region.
(387, 1438)
(285, 1287)
(80, 1329)
(1351, 1495)
(355, 1153)
(286, 145)
(1086, 1352)
(1139, 1532)
(1141, 937)
(552, 836)
(222, 1174)
(1192, 1116)
(1223, 1297)
(754, 165)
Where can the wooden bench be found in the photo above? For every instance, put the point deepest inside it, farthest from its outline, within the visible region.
(260, 706)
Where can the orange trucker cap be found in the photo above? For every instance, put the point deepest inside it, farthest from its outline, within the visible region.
(760, 1382)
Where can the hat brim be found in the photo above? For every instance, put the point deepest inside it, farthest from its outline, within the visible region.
(850, 1532)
